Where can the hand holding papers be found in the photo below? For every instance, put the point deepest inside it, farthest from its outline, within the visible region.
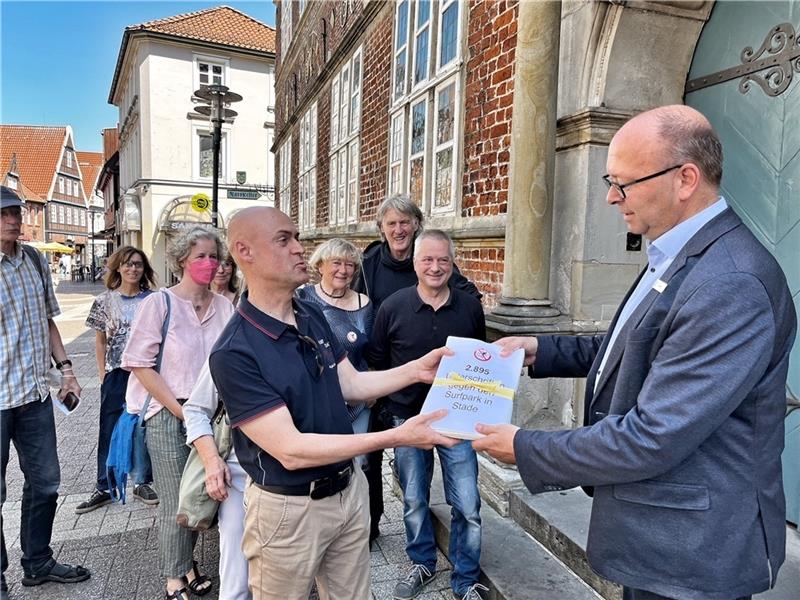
(475, 385)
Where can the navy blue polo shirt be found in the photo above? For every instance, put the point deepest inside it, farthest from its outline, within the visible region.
(259, 364)
(407, 328)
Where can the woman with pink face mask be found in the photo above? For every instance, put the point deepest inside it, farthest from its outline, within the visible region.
(197, 317)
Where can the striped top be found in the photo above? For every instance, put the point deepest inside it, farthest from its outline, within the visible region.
(24, 332)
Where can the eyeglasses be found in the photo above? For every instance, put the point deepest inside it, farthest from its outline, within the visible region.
(620, 187)
(133, 264)
(315, 347)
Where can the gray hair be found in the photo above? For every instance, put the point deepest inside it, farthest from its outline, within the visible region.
(181, 248)
(403, 204)
(335, 248)
(689, 141)
(435, 234)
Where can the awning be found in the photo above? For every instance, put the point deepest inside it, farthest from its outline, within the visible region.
(51, 247)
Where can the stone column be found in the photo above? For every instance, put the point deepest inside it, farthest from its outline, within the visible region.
(525, 300)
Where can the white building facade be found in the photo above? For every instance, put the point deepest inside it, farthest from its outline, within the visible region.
(165, 148)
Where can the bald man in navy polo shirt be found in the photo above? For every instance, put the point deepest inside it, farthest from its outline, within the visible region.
(283, 379)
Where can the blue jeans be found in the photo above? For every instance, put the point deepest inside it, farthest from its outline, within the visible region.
(112, 403)
(460, 476)
(32, 429)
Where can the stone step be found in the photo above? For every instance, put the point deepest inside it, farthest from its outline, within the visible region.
(514, 566)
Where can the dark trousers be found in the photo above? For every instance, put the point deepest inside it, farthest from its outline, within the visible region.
(112, 403)
(379, 421)
(32, 428)
(634, 594)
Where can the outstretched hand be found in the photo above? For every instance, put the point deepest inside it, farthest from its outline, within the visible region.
(416, 432)
(498, 441)
(510, 344)
(427, 365)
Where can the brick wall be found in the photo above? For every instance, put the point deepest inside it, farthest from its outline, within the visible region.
(377, 51)
(491, 40)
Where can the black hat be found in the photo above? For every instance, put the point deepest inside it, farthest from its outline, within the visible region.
(9, 198)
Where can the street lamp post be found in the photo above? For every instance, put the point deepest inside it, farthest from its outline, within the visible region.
(216, 97)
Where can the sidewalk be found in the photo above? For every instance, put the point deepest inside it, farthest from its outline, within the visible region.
(119, 543)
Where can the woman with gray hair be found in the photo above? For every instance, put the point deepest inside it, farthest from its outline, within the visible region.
(349, 313)
(196, 318)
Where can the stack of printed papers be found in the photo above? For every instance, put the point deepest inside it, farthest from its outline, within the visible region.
(475, 385)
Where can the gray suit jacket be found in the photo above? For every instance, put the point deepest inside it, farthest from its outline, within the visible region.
(684, 432)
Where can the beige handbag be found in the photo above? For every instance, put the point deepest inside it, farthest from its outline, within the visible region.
(196, 509)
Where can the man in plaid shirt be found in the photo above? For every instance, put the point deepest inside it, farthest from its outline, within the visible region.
(28, 338)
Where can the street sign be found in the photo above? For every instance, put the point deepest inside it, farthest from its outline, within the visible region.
(201, 202)
(244, 194)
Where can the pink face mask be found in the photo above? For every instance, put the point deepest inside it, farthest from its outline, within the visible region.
(202, 271)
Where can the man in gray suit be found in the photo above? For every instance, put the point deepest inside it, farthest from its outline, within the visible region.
(685, 393)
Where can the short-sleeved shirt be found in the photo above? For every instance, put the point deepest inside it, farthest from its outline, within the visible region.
(112, 313)
(407, 328)
(189, 341)
(28, 300)
(260, 364)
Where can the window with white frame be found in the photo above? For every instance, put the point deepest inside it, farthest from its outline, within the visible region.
(83, 219)
(307, 175)
(53, 213)
(60, 185)
(12, 183)
(68, 157)
(204, 155)
(76, 186)
(286, 26)
(344, 151)
(68, 215)
(426, 101)
(209, 71)
(285, 183)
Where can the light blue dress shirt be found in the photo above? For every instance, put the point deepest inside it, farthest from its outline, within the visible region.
(660, 254)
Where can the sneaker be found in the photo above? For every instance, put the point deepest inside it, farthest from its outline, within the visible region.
(472, 592)
(96, 500)
(411, 585)
(145, 493)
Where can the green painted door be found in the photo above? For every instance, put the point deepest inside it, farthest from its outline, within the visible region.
(760, 133)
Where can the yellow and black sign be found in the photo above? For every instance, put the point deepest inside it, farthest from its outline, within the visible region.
(201, 202)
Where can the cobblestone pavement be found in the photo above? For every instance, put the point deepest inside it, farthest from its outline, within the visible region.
(119, 543)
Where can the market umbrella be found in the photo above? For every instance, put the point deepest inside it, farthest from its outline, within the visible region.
(52, 247)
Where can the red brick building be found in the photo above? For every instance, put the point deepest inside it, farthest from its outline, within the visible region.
(376, 98)
(47, 164)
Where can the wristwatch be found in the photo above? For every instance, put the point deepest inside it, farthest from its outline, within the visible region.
(64, 363)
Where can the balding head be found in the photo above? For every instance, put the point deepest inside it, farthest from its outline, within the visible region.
(263, 242)
(681, 135)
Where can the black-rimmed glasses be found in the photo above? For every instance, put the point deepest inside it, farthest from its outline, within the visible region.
(620, 187)
(315, 347)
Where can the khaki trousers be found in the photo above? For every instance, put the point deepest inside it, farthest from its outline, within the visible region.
(289, 541)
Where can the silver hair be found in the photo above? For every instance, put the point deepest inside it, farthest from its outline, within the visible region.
(403, 204)
(180, 249)
(335, 248)
(691, 142)
(435, 234)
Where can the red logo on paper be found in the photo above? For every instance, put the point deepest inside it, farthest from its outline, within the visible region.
(482, 354)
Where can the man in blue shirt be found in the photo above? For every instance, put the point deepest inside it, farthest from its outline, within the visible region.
(28, 338)
(283, 379)
(685, 395)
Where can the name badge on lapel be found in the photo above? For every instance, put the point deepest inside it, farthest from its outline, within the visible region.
(660, 286)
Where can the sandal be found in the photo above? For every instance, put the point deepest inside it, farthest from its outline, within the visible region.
(196, 584)
(180, 594)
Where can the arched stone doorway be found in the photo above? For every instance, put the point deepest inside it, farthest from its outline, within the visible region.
(178, 216)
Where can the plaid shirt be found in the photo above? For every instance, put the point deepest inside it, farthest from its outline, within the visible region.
(24, 333)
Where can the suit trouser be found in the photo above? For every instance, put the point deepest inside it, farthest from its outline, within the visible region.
(291, 540)
(232, 563)
(166, 444)
(635, 594)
